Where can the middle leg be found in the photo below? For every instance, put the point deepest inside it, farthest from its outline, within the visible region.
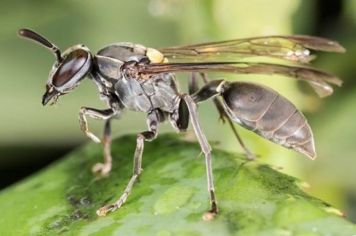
(153, 119)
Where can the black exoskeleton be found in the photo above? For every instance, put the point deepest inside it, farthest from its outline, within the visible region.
(131, 76)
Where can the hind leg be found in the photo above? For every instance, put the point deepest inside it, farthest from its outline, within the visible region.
(206, 149)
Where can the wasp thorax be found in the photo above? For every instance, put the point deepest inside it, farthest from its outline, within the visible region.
(66, 74)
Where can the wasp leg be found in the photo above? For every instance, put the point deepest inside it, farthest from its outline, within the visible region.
(152, 121)
(206, 149)
(208, 91)
(102, 168)
(105, 168)
(193, 84)
(96, 114)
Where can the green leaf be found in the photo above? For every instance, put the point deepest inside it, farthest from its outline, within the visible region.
(169, 199)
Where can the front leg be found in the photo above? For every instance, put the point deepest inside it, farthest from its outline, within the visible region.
(95, 114)
(102, 168)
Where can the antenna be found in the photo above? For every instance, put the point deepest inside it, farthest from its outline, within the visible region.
(29, 34)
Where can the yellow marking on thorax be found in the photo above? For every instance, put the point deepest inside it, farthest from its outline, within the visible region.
(155, 56)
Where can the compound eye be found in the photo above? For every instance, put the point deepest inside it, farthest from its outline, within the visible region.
(69, 67)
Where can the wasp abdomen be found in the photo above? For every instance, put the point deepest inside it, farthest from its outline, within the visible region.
(265, 112)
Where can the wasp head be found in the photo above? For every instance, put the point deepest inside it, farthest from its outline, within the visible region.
(69, 69)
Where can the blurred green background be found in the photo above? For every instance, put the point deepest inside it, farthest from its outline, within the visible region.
(32, 136)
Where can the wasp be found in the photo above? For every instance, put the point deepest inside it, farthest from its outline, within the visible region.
(142, 79)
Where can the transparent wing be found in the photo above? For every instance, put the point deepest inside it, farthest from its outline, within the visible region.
(295, 48)
(321, 81)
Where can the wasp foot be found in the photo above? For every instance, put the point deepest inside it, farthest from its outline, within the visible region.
(210, 215)
(102, 169)
(250, 156)
(105, 209)
(92, 136)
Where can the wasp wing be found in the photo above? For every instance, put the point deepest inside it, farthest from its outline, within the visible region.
(318, 79)
(293, 48)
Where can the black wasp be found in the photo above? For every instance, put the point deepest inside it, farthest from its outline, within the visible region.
(142, 79)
